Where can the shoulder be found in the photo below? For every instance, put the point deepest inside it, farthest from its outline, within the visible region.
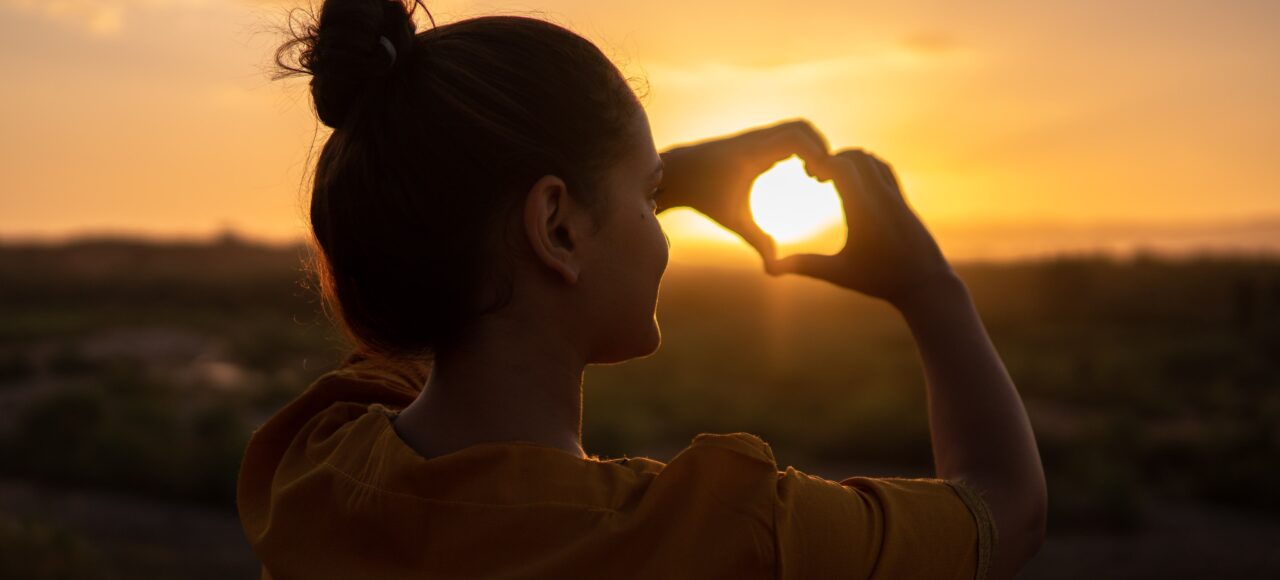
(720, 477)
(743, 444)
(725, 459)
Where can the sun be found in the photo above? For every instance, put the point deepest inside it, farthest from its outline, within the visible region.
(793, 207)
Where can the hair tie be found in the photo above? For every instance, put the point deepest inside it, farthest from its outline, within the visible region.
(391, 48)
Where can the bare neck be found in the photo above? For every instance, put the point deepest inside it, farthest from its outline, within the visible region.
(512, 382)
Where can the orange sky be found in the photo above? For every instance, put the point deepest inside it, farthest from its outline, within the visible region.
(156, 116)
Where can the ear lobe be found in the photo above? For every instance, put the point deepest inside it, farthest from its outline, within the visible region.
(549, 222)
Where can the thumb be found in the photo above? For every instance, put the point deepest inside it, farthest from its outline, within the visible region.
(812, 265)
(758, 239)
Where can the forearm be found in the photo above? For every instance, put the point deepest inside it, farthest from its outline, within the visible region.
(979, 427)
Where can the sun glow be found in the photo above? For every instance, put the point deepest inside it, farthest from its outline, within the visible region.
(793, 207)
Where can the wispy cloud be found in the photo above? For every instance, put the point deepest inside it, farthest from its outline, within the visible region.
(931, 43)
(94, 17)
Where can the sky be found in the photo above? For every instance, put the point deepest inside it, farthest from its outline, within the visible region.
(1011, 125)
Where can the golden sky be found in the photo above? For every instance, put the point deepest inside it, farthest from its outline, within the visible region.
(157, 117)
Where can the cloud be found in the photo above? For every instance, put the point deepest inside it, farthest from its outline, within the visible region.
(101, 18)
(930, 43)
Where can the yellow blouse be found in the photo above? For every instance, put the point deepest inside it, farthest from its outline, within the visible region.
(327, 489)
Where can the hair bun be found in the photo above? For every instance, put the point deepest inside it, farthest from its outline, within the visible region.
(347, 50)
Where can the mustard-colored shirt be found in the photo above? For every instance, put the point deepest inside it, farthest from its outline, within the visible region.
(327, 489)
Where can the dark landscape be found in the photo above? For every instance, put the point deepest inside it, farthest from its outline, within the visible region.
(132, 373)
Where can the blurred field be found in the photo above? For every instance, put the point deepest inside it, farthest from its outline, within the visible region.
(132, 373)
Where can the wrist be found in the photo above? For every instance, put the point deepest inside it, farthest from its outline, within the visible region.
(666, 200)
(942, 292)
(672, 181)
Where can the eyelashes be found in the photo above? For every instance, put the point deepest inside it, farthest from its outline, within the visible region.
(653, 199)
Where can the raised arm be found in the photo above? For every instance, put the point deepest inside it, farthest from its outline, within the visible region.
(980, 431)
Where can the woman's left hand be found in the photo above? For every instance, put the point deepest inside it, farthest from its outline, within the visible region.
(714, 176)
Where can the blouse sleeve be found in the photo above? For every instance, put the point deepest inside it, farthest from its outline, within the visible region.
(880, 528)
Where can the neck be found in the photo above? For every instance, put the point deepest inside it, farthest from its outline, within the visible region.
(510, 382)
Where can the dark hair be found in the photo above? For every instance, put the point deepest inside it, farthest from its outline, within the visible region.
(433, 149)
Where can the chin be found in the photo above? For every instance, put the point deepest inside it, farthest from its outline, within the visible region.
(654, 339)
(641, 343)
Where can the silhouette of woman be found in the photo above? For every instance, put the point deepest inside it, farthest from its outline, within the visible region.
(484, 216)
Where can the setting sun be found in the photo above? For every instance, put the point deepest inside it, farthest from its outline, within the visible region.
(793, 207)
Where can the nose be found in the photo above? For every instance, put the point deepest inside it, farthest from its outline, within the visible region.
(666, 253)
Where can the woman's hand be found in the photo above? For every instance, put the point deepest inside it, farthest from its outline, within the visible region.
(714, 177)
(888, 253)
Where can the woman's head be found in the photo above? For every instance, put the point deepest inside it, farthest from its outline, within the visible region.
(475, 167)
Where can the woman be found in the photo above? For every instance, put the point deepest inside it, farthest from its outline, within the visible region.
(487, 201)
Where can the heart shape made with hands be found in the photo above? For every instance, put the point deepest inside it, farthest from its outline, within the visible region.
(801, 214)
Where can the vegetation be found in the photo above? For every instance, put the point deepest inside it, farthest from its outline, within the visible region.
(143, 368)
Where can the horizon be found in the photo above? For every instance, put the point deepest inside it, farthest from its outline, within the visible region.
(1252, 239)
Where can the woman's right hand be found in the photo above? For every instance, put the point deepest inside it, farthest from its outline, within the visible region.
(888, 253)
(981, 435)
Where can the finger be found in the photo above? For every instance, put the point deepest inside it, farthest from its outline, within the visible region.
(866, 167)
(812, 265)
(894, 189)
(763, 243)
(855, 190)
(798, 125)
(798, 138)
(882, 169)
(870, 177)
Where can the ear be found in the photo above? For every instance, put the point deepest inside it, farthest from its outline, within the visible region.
(553, 225)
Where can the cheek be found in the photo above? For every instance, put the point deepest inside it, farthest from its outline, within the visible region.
(656, 241)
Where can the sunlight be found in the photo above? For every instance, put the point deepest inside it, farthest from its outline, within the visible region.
(793, 207)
